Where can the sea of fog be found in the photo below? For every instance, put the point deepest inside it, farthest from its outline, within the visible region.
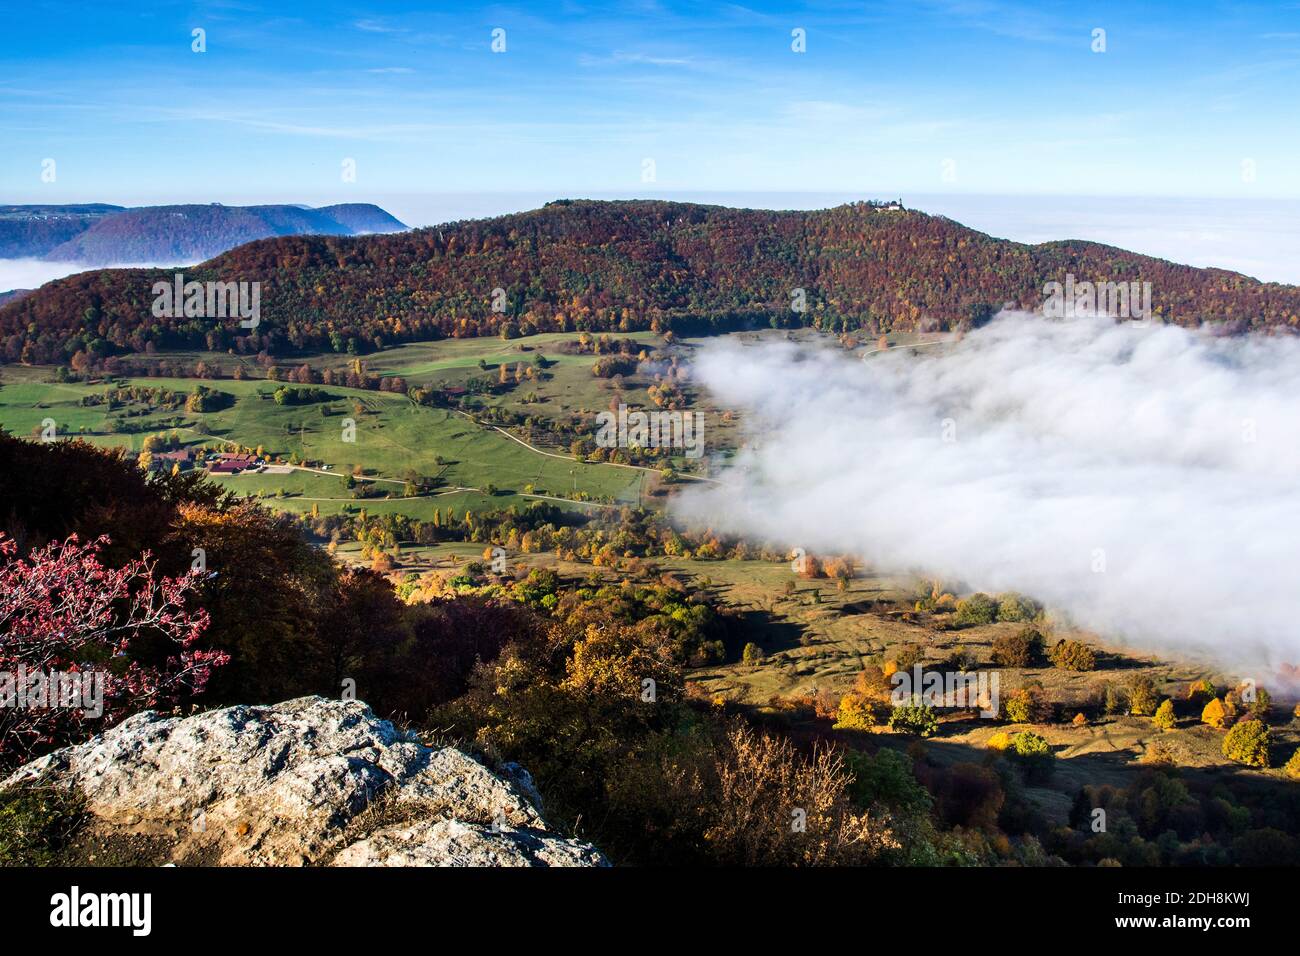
(1141, 479)
(34, 273)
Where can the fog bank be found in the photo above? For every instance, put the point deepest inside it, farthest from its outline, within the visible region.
(1143, 480)
(34, 273)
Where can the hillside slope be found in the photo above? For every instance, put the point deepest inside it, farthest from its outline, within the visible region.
(620, 266)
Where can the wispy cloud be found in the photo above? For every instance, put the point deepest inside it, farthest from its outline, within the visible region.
(624, 56)
(376, 26)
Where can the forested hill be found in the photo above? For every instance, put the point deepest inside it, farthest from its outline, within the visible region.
(618, 266)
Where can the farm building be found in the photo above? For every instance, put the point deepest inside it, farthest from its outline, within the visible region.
(228, 463)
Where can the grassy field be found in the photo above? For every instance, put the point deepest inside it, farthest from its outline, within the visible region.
(393, 438)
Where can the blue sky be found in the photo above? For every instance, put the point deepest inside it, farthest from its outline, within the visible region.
(893, 98)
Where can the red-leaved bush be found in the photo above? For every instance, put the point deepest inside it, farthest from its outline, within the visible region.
(64, 612)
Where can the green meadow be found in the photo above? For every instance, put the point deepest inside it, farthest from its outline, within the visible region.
(392, 439)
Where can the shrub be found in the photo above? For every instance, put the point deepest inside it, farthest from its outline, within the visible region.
(1201, 692)
(1292, 767)
(970, 795)
(873, 682)
(1034, 755)
(1026, 706)
(751, 654)
(908, 656)
(915, 718)
(826, 704)
(975, 610)
(1261, 705)
(1074, 656)
(1158, 754)
(63, 610)
(858, 712)
(999, 741)
(1142, 697)
(760, 780)
(1232, 704)
(962, 659)
(1247, 743)
(1214, 714)
(1164, 718)
(1022, 649)
(1030, 744)
(1015, 607)
(1080, 720)
(886, 778)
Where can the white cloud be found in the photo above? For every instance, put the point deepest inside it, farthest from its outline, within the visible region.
(32, 273)
(1070, 437)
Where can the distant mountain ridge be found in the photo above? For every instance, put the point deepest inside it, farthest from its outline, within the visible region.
(101, 235)
(31, 232)
(616, 267)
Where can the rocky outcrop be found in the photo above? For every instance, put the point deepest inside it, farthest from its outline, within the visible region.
(310, 781)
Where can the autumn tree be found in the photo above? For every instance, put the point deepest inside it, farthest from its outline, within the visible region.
(1142, 696)
(1164, 716)
(1022, 649)
(128, 630)
(1074, 656)
(975, 610)
(1247, 743)
(915, 718)
(1292, 767)
(860, 712)
(1260, 704)
(1015, 607)
(1200, 692)
(1214, 714)
(1027, 706)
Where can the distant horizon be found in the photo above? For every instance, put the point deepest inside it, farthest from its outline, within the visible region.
(1257, 237)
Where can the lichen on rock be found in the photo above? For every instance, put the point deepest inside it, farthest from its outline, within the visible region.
(306, 782)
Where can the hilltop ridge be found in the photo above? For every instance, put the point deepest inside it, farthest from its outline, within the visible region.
(622, 266)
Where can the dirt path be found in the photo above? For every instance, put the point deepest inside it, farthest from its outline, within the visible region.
(609, 464)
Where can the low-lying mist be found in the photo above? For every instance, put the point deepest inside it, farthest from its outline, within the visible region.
(1142, 480)
(34, 273)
